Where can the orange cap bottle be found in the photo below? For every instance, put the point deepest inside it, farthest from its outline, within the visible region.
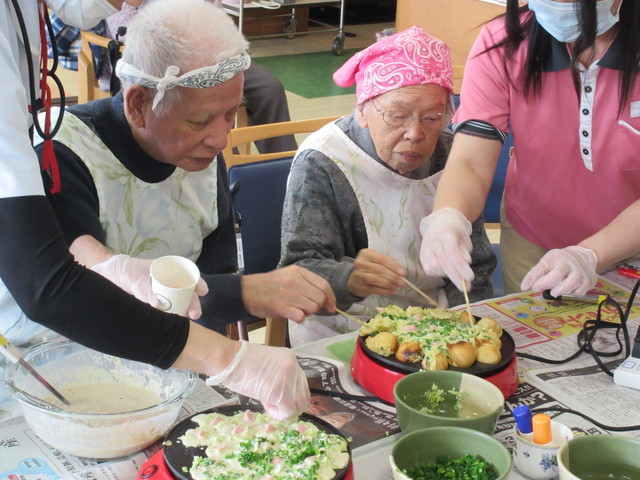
(541, 423)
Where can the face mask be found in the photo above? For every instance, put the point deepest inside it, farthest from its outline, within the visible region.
(561, 19)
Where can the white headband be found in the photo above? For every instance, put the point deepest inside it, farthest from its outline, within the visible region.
(199, 78)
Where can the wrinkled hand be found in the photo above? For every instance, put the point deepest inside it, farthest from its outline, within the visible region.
(269, 374)
(133, 276)
(290, 292)
(570, 270)
(446, 246)
(375, 273)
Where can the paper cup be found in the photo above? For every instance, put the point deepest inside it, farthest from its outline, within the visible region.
(540, 462)
(173, 280)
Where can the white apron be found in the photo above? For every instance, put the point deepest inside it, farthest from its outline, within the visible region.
(145, 220)
(392, 207)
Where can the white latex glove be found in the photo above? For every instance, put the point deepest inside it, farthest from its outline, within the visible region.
(446, 246)
(269, 374)
(133, 276)
(570, 270)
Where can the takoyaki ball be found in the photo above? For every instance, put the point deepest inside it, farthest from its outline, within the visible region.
(435, 361)
(384, 343)
(409, 352)
(495, 339)
(488, 353)
(461, 354)
(490, 324)
(466, 318)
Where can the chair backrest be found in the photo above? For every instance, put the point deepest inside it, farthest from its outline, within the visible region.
(259, 202)
(262, 183)
(88, 88)
(246, 135)
(491, 210)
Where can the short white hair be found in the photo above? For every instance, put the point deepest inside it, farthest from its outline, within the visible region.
(189, 34)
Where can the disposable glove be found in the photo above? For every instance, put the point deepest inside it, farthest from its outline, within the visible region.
(446, 246)
(269, 374)
(570, 270)
(133, 276)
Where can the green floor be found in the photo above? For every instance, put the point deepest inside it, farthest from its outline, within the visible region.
(308, 74)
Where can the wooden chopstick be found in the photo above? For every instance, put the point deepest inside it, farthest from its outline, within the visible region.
(350, 317)
(427, 297)
(466, 299)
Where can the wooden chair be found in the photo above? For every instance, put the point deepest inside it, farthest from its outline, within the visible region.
(261, 181)
(88, 88)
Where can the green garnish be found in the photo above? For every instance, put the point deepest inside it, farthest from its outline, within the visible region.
(437, 395)
(468, 467)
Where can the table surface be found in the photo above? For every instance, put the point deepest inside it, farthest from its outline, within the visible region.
(538, 326)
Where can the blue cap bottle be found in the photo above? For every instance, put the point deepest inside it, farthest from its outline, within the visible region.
(522, 416)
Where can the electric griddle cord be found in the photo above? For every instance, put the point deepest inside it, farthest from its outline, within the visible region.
(49, 162)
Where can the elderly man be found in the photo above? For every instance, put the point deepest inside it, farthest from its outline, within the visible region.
(360, 186)
(142, 177)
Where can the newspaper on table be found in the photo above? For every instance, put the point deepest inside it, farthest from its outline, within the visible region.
(549, 329)
(23, 456)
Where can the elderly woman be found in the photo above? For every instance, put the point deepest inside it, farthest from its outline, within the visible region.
(360, 186)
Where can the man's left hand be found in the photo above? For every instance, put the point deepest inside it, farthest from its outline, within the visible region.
(290, 292)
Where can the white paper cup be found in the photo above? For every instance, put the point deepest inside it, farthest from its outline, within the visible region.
(173, 280)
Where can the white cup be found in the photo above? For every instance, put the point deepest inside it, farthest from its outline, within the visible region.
(540, 461)
(173, 280)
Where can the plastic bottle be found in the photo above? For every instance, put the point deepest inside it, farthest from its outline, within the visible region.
(541, 423)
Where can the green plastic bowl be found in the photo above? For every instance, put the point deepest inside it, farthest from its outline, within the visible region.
(422, 446)
(486, 401)
(599, 457)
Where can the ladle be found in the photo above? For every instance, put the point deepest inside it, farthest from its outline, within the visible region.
(13, 354)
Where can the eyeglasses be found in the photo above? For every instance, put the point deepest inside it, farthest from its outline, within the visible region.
(400, 119)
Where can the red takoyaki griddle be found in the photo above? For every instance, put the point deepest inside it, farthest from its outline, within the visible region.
(168, 463)
(379, 374)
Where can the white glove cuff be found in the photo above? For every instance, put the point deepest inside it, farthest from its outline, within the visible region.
(587, 253)
(222, 376)
(451, 214)
(100, 267)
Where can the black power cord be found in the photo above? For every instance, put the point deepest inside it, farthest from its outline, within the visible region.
(586, 417)
(585, 340)
(589, 330)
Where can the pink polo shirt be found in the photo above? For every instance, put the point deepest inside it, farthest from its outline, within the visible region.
(575, 165)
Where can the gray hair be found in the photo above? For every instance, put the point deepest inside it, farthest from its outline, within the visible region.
(189, 34)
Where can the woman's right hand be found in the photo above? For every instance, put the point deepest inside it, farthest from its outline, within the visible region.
(446, 246)
(375, 273)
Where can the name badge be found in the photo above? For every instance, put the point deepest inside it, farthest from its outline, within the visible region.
(635, 110)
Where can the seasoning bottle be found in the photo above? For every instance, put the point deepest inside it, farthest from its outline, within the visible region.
(541, 423)
(522, 416)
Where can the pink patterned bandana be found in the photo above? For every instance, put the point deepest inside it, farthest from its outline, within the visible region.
(411, 57)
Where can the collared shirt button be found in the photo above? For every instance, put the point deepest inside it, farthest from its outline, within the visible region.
(585, 151)
(585, 133)
(585, 111)
(588, 89)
